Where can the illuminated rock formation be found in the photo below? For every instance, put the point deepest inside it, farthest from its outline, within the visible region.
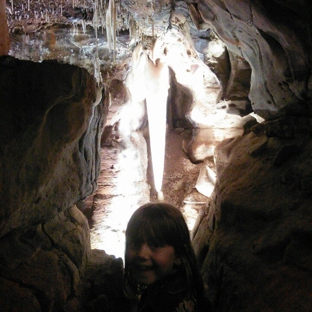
(275, 39)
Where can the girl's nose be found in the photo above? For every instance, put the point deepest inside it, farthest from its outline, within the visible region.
(144, 251)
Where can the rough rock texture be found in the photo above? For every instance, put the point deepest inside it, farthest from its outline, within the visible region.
(268, 35)
(233, 73)
(41, 265)
(254, 238)
(49, 139)
(53, 117)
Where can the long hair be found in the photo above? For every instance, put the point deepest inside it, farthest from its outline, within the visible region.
(164, 224)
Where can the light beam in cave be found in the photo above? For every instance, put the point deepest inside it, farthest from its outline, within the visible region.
(157, 81)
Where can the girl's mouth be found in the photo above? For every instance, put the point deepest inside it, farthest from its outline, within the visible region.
(144, 268)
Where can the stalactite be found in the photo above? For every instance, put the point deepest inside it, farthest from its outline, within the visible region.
(114, 28)
(102, 20)
(83, 24)
(97, 71)
(132, 29)
(111, 26)
(157, 83)
(108, 26)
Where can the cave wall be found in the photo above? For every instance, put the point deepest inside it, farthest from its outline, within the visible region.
(253, 238)
(49, 139)
(274, 37)
(52, 120)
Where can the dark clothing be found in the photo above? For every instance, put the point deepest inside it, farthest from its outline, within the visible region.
(168, 295)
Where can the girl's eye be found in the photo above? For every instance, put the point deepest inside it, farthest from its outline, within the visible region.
(132, 244)
(155, 245)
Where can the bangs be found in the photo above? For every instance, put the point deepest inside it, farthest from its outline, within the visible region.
(156, 226)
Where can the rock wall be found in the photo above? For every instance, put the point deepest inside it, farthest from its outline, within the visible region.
(254, 238)
(275, 39)
(52, 120)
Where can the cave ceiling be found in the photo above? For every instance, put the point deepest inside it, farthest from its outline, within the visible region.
(272, 38)
(71, 31)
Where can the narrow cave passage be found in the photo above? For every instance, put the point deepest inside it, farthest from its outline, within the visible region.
(125, 183)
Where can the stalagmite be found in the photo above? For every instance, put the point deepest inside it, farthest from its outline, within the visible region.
(4, 30)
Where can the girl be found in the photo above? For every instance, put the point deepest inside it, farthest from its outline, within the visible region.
(160, 263)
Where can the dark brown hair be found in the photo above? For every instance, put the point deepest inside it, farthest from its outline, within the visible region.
(163, 224)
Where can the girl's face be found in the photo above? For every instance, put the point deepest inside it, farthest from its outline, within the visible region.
(149, 263)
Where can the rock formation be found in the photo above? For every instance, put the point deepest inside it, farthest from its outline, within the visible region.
(50, 145)
(254, 234)
(275, 40)
(253, 238)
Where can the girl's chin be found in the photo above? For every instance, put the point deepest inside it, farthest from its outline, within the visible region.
(145, 277)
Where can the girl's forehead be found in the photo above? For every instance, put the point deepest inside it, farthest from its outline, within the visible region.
(153, 227)
(147, 235)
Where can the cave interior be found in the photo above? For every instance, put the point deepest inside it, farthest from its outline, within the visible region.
(109, 104)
